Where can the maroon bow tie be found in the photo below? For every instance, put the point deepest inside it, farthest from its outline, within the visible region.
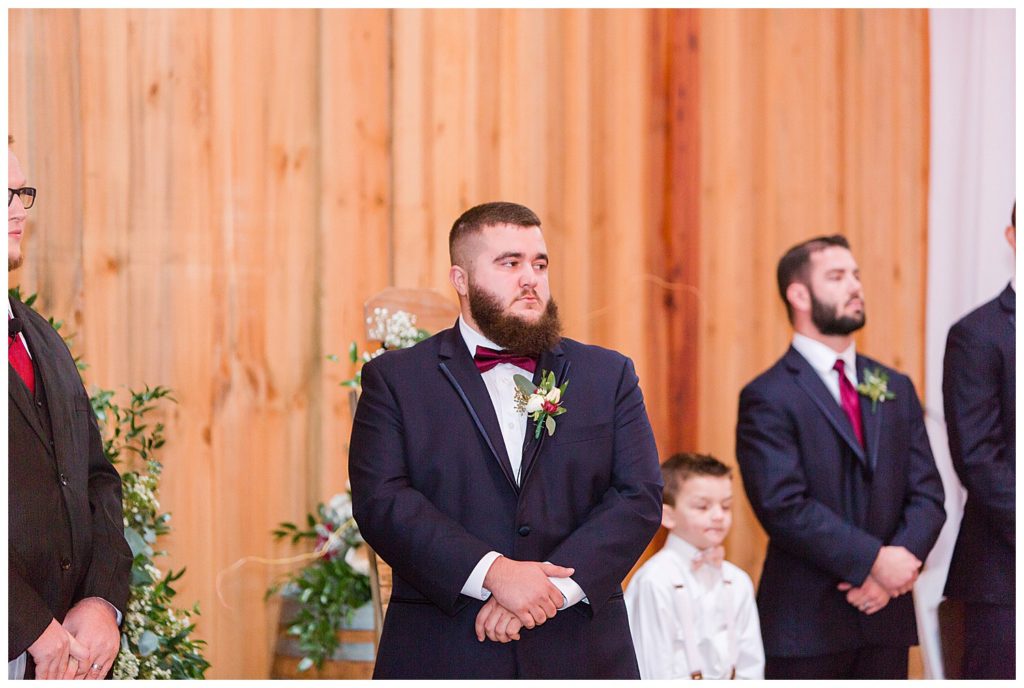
(712, 556)
(486, 359)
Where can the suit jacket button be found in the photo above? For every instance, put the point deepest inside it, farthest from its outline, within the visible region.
(65, 564)
(63, 479)
(524, 530)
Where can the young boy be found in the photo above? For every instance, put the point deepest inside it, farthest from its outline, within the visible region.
(692, 614)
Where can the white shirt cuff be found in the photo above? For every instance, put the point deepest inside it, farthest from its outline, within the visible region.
(474, 586)
(117, 612)
(570, 590)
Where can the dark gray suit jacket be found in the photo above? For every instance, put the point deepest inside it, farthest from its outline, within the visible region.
(65, 529)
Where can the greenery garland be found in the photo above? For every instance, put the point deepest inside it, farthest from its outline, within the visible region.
(156, 640)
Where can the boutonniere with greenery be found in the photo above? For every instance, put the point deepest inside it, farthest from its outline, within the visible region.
(543, 404)
(875, 387)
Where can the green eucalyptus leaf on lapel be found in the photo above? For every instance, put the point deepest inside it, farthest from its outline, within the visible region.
(524, 385)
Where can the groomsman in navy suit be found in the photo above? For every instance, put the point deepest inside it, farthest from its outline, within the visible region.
(836, 463)
(508, 546)
(981, 410)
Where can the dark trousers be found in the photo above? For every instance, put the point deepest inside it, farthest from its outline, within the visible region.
(989, 641)
(871, 662)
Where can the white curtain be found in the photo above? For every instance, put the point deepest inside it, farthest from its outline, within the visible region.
(972, 190)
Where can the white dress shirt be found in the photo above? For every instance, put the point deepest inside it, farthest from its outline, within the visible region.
(823, 357)
(713, 595)
(501, 387)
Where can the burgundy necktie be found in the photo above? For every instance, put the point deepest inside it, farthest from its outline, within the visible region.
(19, 359)
(850, 401)
(486, 359)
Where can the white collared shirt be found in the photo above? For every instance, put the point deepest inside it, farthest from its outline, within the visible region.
(658, 632)
(501, 388)
(823, 359)
(21, 335)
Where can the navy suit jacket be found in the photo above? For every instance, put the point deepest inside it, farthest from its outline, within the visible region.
(829, 504)
(433, 492)
(980, 405)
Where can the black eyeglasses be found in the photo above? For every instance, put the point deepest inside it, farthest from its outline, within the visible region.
(26, 193)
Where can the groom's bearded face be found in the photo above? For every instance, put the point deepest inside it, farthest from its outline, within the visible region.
(510, 331)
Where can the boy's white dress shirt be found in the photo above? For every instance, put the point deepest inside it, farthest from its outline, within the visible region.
(659, 634)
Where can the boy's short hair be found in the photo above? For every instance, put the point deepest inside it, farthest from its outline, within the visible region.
(680, 467)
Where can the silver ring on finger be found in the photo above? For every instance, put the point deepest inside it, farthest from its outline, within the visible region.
(95, 666)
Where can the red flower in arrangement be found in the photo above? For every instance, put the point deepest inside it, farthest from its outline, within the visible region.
(322, 538)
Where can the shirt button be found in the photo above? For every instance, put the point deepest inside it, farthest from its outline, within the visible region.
(65, 564)
(524, 530)
(39, 404)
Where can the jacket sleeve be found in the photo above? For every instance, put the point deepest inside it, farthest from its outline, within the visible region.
(618, 528)
(109, 573)
(923, 506)
(773, 477)
(971, 391)
(427, 548)
(28, 614)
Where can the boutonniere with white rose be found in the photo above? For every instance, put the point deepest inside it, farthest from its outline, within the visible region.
(543, 403)
(876, 387)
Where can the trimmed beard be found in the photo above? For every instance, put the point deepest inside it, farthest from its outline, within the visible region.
(512, 332)
(824, 317)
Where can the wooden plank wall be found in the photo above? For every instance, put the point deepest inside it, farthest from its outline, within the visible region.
(221, 189)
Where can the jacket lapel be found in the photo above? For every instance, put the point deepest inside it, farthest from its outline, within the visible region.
(871, 420)
(556, 361)
(17, 391)
(59, 402)
(1008, 302)
(809, 381)
(457, 365)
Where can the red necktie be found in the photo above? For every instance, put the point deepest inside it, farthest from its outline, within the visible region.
(850, 401)
(486, 359)
(18, 357)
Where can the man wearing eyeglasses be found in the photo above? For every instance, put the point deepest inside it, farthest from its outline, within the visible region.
(68, 562)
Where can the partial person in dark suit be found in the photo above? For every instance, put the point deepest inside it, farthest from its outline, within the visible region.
(508, 548)
(843, 482)
(68, 562)
(980, 405)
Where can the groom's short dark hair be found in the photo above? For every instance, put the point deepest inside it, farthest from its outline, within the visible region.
(680, 467)
(485, 215)
(794, 264)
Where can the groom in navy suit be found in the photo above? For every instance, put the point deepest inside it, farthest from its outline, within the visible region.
(508, 547)
(836, 463)
(978, 395)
